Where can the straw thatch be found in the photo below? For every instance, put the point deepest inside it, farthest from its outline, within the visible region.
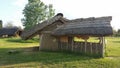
(39, 27)
(10, 31)
(89, 26)
(83, 26)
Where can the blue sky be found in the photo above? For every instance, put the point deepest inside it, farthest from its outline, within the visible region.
(11, 10)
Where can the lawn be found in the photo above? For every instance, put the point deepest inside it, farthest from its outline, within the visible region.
(24, 57)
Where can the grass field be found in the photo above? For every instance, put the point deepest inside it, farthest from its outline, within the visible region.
(37, 59)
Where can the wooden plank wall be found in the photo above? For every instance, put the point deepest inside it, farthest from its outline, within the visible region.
(79, 47)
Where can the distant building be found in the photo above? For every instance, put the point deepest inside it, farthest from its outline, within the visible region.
(10, 32)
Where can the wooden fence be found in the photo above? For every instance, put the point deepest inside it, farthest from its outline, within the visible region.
(82, 47)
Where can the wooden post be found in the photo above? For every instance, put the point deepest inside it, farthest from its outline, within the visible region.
(59, 43)
(91, 51)
(103, 44)
(40, 36)
(70, 42)
(85, 44)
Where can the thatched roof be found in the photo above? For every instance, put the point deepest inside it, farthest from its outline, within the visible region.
(88, 26)
(8, 31)
(39, 27)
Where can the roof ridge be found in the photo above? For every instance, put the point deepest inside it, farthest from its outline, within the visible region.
(105, 18)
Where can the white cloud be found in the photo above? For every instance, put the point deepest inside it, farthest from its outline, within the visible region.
(20, 3)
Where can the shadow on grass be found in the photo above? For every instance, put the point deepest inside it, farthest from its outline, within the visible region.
(18, 40)
(28, 55)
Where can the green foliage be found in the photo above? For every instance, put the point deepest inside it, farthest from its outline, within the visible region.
(116, 33)
(35, 12)
(118, 30)
(0, 23)
(39, 59)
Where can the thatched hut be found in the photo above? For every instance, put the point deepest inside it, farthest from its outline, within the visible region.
(10, 32)
(84, 29)
(58, 33)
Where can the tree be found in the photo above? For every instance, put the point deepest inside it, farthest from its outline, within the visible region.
(35, 12)
(118, 31)
(0, 23)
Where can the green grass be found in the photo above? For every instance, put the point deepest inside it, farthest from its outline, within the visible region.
(38, 59)
(91, 39)
(113, 47)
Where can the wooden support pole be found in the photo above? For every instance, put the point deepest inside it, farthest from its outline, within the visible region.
(71, 42)
(105, 51)
(102, 46)
(85, 44)
(40, 36)
(59, 43)
(91, 51)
